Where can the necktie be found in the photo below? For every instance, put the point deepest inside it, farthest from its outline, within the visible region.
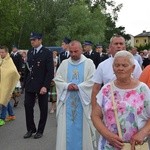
(35, 51)
(66, 54)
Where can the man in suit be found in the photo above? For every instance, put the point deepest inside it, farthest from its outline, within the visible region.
(65, 54)
(89, 53)
(38, 75)
(102, 56)
(17, 59)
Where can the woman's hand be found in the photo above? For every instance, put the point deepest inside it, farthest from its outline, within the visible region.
(115, 140)
(112, 138)
(137, 139)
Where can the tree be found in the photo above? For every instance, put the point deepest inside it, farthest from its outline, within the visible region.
(77, 19)
(13, 14)
(143, 47)
(82, 24)
(111, 18)
(112, 30)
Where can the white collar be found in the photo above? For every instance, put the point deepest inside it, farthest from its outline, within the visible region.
(82, 59)
(15, 53)
(38, 48)
(90, 51)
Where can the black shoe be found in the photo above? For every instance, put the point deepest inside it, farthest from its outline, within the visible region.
(38, 135)
(28, 134)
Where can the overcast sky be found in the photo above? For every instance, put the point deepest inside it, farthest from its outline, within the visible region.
(134, 16)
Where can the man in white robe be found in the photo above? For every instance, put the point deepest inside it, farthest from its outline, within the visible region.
(75, 130)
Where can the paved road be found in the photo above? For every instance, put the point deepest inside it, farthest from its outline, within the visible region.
(11, 134)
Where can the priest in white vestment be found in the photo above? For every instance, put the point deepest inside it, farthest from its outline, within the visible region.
(75, 130)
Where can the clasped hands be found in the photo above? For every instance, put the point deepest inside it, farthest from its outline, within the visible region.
(73, 87)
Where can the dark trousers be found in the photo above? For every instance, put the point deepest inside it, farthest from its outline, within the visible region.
(29, 110)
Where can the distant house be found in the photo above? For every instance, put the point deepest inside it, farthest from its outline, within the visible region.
(142, 39)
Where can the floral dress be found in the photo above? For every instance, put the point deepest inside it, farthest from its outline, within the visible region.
(133, 106)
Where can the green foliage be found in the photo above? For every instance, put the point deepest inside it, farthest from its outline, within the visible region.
(55, 19)
(112, 30)
(13, 15)
(143, 47)
(81, 24)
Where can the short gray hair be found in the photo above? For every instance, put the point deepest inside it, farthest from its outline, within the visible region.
(126, 54)
(116, 36)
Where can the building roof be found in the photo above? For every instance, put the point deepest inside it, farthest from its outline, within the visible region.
(143, 34)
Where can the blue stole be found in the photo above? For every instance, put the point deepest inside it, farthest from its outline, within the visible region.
(74, 109)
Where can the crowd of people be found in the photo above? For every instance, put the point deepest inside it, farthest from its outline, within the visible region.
(92, 92)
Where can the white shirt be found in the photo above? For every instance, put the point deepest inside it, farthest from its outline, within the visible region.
(15, 53)
(38, 48)
(67, 53)
(90, 52)
(104, 72)
(138, 58)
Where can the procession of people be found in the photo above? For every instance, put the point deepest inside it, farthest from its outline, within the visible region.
(91, 92)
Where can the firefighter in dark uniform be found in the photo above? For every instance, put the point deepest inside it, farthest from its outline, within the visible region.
(17, 59)
(102, 56)
(65, 46)
(89, 53)
(38, 75)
